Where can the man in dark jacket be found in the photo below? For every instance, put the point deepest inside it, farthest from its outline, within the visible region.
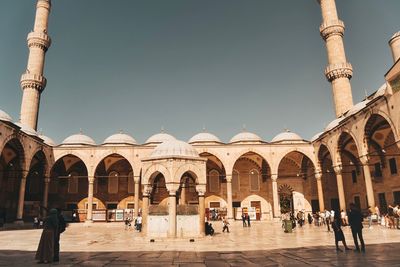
(355, 222)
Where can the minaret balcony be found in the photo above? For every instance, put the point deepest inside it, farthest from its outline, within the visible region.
(35, 81)
(340, 70)
(332, 27)
(39, 39)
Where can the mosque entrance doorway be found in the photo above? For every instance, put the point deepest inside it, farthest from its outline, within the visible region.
(286, 198)
(257, 206)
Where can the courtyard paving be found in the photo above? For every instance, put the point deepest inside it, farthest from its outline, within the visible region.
(262, 244)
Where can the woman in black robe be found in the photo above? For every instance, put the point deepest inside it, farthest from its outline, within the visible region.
(337, 230)
(45, 251)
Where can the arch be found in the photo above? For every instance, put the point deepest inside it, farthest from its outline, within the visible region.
(18, 147)
(76, 153)
(215, 198)
(216, 156)
(387, 118)
(300, 150)
(353, 137)
(66, 155)
(149, 173)
(193, 169)
(301, 165)
(248, 150)
(107, 153)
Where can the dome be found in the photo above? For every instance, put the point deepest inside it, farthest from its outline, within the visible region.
(79, 139)
(381, 91)
(47, 140)
(287, 136)
(174, 148)
(4, 116)
(246, 137)
(160, 138)
(121, 139)
(357, 107)
(26, 129)
(204, 137)
(315, 137)
(334, 123)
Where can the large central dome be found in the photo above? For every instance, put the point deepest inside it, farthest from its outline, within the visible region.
(174, 148)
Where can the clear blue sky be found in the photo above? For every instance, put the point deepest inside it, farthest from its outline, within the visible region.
(185, 64)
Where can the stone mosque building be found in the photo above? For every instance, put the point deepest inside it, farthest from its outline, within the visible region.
(177, 185)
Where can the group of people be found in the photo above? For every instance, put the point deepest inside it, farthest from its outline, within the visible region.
(389, 219)
(137, 223)
(49, 246)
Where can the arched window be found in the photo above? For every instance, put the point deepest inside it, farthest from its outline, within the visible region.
(113, 179)
(254, 180)
(235, 182)
(73, 183)
(213, 179)
(131, 183)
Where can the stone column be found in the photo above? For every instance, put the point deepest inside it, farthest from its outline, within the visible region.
(46, 193)
(89, 211)
(229, 196)
(202, 214)
(339, 180)
(172, 213)
(318, 177)
(183, 193)
(368, 181)
(21, 197)
(136, 211)
(145, 209)
(339, 71)
(275, 195)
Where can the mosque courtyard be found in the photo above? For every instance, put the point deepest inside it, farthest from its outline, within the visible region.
(262, 244)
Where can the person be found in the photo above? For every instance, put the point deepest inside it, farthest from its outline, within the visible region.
(343, 217)
(337, 230)
(300, 218)
(396, 213)
(225, 225)
(45, 251)
(390, 216)
(310, 219)
(36, 222)
(127, 223)
(370, 212)
(139, 223)
(61, 228)
(328, 219)
(244, 219)
(248, 219)
(378, 213)
(355, 221)
(209, 229)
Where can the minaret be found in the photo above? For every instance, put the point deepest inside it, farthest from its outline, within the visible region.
(32, 81)
(339, 71)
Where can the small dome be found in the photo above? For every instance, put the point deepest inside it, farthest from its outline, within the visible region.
(120, 139)
(357, 107)
(4, 116)
(204, 137)
(78, 139)
(246, 137)
(160, 138)
(287, 136)
(174, 148)
(47, 140)
(26, 129)
(334, 123)
(381, 91)
(315, 137)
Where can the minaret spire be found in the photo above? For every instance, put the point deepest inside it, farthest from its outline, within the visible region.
(32, 81)
(339, 71)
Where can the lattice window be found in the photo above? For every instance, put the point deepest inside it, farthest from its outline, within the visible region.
(254, 180)
(235, 182)
(113, 179)
(213, 179)
(131, 183)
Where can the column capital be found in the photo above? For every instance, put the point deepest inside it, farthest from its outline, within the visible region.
(91, 180)
(338, 169)
(146, 190)
(172, 188)
(136, 179)
(47, 180)
(228, 177)
(201, 189)
(318, 175)
(274, 177)
(364, 159)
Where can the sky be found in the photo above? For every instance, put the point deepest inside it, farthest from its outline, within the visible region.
(185, 65)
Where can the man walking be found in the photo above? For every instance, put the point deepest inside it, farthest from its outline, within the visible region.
(355, 221)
